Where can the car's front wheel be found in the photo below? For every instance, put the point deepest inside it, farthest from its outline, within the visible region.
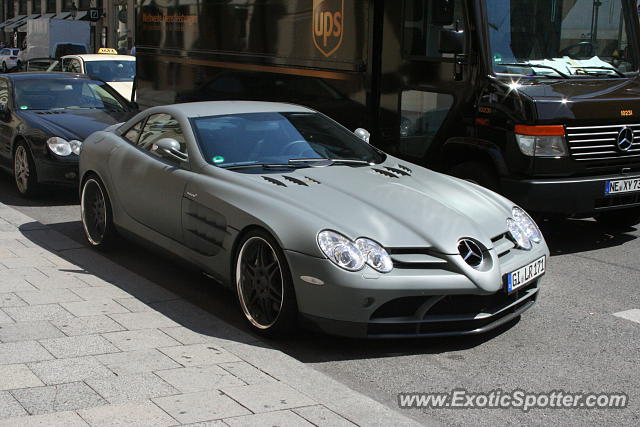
(4, 67)
(264, 286)
(96, 214)
(24, 170)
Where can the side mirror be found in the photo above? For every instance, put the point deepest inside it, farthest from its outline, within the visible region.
(451, 41)
(363, 134)
(169, 148)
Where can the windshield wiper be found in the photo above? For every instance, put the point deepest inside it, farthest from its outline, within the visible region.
(530, 65)
(264, 166)
(599, 67)
(329, 162)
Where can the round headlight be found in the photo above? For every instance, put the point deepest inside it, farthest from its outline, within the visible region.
(518, 234)
(59, 146)
(76, 146)
(341, 251)
(526, 224)
(376, 256)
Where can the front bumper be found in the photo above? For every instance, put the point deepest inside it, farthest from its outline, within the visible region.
(583, 196)
(411, 301)
(57, 172)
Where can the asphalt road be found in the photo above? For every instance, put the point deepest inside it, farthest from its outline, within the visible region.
(570, 341)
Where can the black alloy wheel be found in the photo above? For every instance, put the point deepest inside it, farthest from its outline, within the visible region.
(263, 285)
(97, 217)
(24, 171)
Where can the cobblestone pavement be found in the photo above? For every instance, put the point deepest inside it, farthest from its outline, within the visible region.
(84, 341)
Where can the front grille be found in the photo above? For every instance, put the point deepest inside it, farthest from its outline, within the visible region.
(619, 200)
(594, 143)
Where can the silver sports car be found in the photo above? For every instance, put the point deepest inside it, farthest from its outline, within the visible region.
(308, 223)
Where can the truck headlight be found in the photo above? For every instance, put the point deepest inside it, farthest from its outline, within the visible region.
(541, 141)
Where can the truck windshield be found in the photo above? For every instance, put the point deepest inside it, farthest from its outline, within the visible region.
(561, 38)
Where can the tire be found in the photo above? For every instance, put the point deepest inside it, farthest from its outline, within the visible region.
(24, 171)
(478, 173)
(264, 286)
(4, 67)
(96, 214)
(622, 218)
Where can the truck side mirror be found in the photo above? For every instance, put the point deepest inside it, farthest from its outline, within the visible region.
(451, 41)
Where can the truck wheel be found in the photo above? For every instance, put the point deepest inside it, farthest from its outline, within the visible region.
(620, 218)
(478, 173)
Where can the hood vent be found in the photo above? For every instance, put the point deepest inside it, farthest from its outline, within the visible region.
(43, 113)
(295, 180)
(406, 169)
(274, 181)
(397, 171)
(385, 173)
(315, 181)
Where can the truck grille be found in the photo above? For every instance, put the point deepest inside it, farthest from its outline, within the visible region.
(601, 143)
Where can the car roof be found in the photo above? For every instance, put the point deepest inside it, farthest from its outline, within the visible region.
(220, 108)
(102, 57)
(30, 75)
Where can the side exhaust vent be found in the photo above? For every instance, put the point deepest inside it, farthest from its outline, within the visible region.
(385, 173)
(295, 180)
(397, 171)
(274, 181)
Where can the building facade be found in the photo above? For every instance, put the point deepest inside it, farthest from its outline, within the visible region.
(114, 28)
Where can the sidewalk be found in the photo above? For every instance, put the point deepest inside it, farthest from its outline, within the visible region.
(84, 341)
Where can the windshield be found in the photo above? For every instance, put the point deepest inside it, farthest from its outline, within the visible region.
(111, 71)
(278, 138)
(43, 94)
(561, 38)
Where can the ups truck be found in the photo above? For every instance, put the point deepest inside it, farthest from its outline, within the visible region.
(536, 99)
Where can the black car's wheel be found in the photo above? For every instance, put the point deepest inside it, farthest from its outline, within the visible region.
(263, 284)
(620, 218)
(96, 214)
(24, 170)
(477, 173)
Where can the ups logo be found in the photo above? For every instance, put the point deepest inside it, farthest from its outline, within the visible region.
(328, 20)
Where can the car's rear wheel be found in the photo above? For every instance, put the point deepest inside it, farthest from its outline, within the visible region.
(620, 218)
(263, 284)
(24, 170)
(96, 214)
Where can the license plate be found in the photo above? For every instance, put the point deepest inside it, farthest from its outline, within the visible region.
(526, 274)
(622, 186)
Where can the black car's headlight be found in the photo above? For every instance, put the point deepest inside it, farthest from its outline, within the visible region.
(352, 256)
(62, 147)
(523, 229)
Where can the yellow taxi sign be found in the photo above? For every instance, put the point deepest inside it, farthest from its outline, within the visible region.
(108, 50)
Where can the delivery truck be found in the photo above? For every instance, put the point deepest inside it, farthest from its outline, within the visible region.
(536, 99)
(53, 38)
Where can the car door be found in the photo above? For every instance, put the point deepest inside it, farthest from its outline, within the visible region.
(149, 186)
(7, 131)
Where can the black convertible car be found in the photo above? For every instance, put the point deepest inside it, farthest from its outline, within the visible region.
(44, 117)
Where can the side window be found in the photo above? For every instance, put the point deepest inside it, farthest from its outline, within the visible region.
(4, 92)
(71, 65)
(161, 126)
(4, 52)
(423, 20)
(421, 116)
(133, 134)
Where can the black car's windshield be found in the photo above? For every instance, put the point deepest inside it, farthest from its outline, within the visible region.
(561, 38)
(279, 139)
(111, 71)
(49, 94)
